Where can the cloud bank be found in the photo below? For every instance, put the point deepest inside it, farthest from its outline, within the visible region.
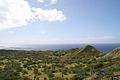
(17, 13)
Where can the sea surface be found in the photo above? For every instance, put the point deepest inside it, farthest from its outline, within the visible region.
(102, 47)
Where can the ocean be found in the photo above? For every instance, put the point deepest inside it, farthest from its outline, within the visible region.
(102, 47)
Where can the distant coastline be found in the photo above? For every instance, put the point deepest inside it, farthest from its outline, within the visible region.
(102, 47)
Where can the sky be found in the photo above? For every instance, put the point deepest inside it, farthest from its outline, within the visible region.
(59, 21)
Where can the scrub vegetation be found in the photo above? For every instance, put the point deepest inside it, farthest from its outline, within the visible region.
(86, 63)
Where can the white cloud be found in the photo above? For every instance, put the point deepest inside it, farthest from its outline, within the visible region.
(41, 1)
(53, 1)
(14, 13)
(49, 1)
(48, 15)
(17, 13)
(42, 32)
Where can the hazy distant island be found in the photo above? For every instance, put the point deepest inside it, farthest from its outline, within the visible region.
(85, 63)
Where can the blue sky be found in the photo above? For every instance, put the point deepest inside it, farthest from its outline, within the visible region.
(80, 21)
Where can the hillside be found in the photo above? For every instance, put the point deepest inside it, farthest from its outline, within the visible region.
(114, 53)
(80, 53)
(86, 63)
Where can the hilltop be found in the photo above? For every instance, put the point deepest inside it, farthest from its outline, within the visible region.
(77, 54)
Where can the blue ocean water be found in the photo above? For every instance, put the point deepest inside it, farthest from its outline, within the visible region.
(102, 47)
